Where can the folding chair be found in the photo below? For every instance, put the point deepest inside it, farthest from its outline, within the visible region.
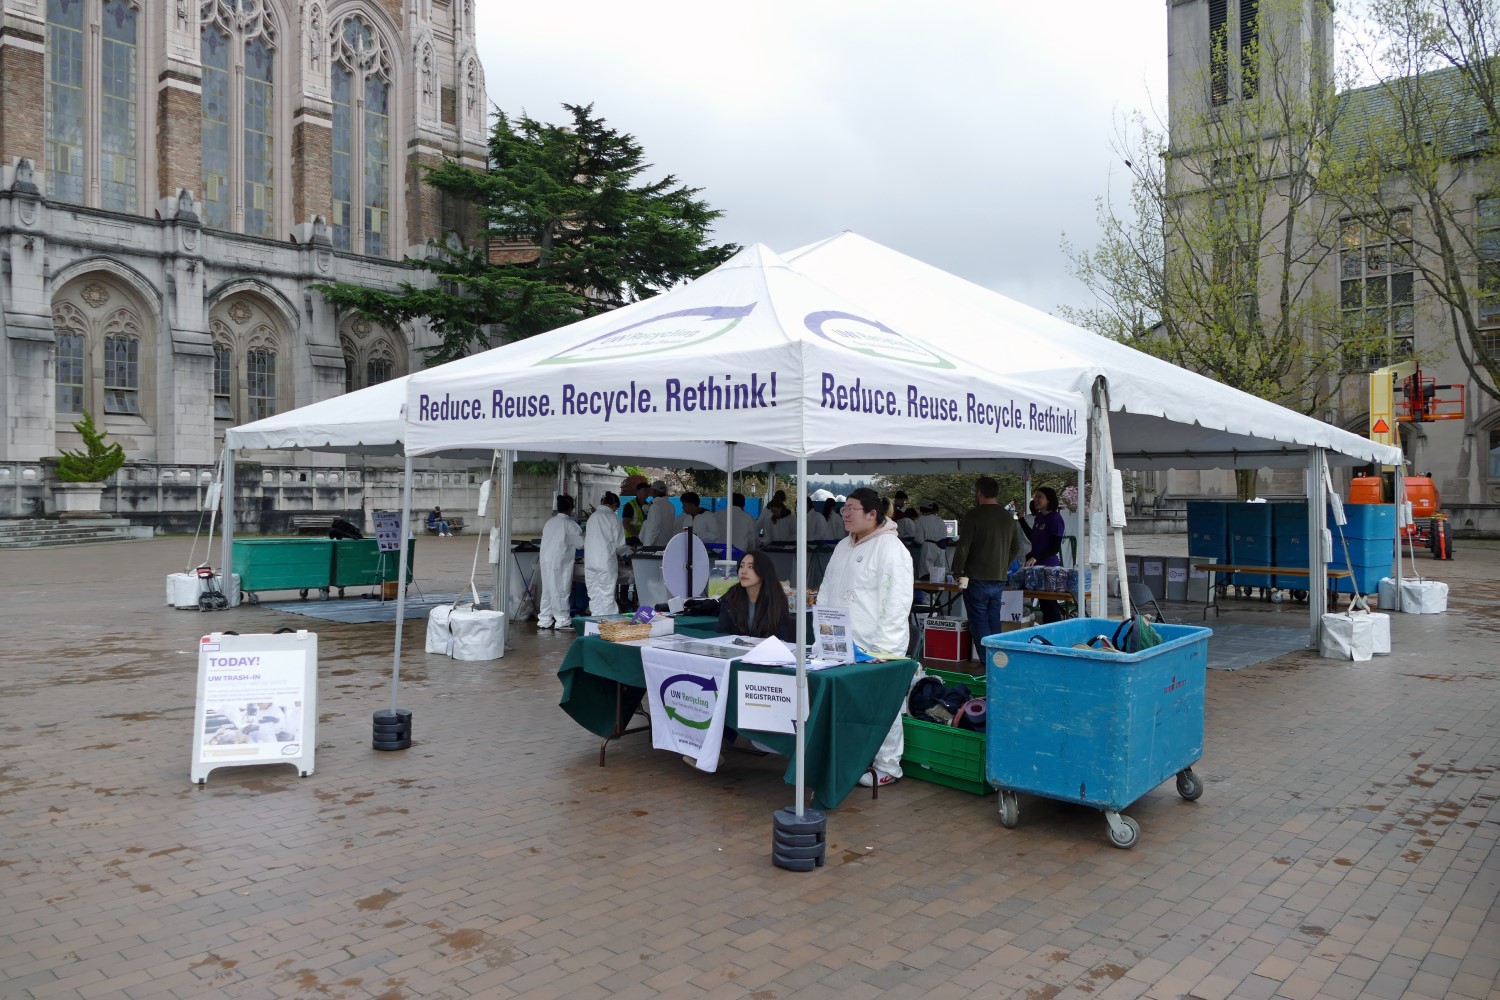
(1142, 597)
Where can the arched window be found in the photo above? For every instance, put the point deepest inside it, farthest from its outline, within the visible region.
(92, 132)
(122, 364)
(371, 354)
(260, 382)
(248, 361)
(238, 50)
(361, 139)
(100, 351)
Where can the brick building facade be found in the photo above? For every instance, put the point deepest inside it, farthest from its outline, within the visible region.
(174, 179)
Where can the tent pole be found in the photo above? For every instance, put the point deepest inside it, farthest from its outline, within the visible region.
(1317, 556)
(1401, 522)
(503, 511)
(1079, 564)
(729, 501)
(226, 533)
(401, 580)
(801, 605)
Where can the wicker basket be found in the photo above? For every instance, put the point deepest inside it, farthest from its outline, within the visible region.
(624, 631)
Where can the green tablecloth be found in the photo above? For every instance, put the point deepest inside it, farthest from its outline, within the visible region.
(850, 709)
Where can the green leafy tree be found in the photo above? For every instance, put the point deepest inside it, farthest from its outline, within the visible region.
(96, 462)
(1213, 263)
(571, 228)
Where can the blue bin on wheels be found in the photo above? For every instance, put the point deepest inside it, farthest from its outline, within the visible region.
(1093, 727)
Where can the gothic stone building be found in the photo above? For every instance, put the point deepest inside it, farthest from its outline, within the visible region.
(175, 177)
(1365, 277)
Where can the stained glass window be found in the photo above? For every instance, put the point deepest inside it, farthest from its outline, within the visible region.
(1377, 292)
(215, 129)
(260, 382)
(223, 382)
(122, 375)
(361, 128)
(378, 370)
(260, 142)
(117, 171)
(377, 166)
(70, 369)
(343, 174)
(65, 100)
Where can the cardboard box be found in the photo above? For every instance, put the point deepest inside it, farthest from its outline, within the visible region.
(1009, 626)
(946, 638)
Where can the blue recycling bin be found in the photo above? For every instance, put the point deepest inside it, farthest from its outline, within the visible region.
(1093, 727)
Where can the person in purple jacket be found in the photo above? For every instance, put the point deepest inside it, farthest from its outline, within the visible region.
(1045, 532)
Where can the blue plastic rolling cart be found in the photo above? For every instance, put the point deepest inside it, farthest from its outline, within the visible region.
(1093, 727)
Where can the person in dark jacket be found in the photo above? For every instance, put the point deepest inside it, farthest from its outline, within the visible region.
(1045, 532)
(758, 606)
(988, 542)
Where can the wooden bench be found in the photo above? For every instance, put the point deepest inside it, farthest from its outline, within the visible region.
(455, 525)
(1302, 571)
(312, 524)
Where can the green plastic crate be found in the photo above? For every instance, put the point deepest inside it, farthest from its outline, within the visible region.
(946, 755)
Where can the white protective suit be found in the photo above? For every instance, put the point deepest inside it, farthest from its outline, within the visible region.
(817, 526)
(930, 531)
(604, 540)
(709, 528)
(872, 578)
(561, 540)
(773, 531)
(660, 524)
(744, 529)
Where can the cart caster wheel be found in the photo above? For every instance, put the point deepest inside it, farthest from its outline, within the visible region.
(323, 594)
(1010, 810)
(253, 598)
(205, 602)
(1123, 831)
(341, 593)
(302, 593)
(1189, 786)
(1276, 597)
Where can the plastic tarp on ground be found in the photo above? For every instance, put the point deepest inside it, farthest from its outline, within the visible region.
(1162, 416)
(752, 353)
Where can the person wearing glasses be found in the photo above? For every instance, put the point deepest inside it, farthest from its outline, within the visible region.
(870, 575)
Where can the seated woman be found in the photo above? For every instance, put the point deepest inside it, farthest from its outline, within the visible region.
(757, 607)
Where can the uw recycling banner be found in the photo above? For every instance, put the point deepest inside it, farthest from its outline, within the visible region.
(688, 697)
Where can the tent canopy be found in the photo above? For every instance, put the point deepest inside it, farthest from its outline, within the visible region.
(752, 353)
(1162, 416)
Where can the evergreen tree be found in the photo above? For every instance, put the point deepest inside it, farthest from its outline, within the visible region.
(570, 229)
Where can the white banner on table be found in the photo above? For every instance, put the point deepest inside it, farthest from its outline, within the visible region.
(766, 701)
(688, 698)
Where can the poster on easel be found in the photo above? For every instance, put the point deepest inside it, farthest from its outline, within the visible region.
(257, 702)
(388, 530)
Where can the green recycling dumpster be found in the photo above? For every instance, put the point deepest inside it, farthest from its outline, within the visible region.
(300, 564)
(358, 562)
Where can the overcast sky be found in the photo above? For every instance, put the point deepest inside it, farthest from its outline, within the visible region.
(971, 135)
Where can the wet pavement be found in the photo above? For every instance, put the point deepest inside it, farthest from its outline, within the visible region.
(1345, 843)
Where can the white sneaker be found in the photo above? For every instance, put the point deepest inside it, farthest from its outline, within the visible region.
(866, 781)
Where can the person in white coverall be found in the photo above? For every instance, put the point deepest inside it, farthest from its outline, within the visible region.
(661, 519)
(930, 532)
(603, 541)
(870, 575)
(561, 540)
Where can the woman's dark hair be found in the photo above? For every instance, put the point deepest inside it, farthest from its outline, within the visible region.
(1051, 496)
(564, 504)
(870, 500)
(769, 615)
(611, 500)
(829, 506)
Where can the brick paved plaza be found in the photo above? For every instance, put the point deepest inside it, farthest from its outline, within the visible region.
(1345, 844)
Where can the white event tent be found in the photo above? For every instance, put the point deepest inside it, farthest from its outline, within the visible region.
(750, 364)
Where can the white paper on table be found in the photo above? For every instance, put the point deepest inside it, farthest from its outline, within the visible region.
(771, 652)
